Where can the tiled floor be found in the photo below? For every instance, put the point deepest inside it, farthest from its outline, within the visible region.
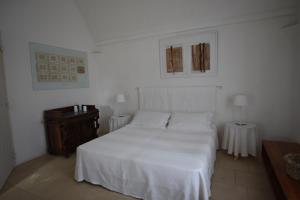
(244, 179)
(51, 178)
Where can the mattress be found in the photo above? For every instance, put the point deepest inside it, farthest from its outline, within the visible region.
(150, 163)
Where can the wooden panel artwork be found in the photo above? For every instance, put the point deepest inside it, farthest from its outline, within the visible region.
(201, 57)
(174, 59)
(193, 54)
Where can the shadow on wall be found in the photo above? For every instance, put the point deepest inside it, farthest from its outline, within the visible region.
(105, 112)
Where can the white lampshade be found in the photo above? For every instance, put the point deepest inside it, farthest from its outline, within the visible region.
(240, 100)
(120, 98)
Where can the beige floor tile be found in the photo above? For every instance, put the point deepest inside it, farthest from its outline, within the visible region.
(86, 191)
(223, 156)
(233, 164)
(56, 171)
(18, 194)
(254, 194)
(39, 178)
(108, 194)
(252, 181)
(224, 176)
(46, 186)
(6, 187)
(63, 163)
(76, 192)
(226, 192)
(257, 167)
(22, 171)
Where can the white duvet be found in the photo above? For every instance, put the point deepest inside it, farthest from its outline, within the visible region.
(150, 163)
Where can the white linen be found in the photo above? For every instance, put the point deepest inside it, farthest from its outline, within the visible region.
(240, 139)
(183, 121)
(150, 163)
(149, 119)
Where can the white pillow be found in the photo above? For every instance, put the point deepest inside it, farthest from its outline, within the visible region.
(149, 119)
(191, 121)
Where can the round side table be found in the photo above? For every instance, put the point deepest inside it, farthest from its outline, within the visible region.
(117, 122)
(240, 139)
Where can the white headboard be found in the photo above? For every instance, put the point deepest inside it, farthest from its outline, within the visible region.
(182, 98)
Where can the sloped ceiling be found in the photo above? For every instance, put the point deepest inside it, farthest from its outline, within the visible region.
(112, 19)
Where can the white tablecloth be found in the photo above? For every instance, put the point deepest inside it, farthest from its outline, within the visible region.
(240, 139)
(117, 122)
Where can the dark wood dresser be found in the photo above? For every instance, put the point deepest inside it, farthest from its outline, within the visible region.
(66, 129)
(284, 186)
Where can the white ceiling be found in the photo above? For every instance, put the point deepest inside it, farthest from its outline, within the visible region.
(112, 19)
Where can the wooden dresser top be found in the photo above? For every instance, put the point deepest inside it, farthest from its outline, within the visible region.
(276, 150)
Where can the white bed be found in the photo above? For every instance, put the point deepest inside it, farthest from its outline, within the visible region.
(149, 163)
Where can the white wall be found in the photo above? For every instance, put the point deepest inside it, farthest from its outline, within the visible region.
(115, 19)
(254, 58)
(296, 84)
(52, 22)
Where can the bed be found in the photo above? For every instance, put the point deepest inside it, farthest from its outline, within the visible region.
(155, 163)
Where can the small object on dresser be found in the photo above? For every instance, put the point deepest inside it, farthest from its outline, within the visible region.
(292, 162)
(84, 109)
(75, 109)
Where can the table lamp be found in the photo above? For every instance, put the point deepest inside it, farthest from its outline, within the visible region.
(240, 101)
(120, 98)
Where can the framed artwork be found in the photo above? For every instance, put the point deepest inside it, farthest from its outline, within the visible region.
(188, 55)
(57, 68)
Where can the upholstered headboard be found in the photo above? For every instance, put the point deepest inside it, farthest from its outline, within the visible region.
(182, 98)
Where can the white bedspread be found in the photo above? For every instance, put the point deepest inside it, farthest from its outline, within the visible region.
(150, 163)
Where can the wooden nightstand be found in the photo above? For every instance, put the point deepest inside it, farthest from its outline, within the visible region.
(117, 122)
